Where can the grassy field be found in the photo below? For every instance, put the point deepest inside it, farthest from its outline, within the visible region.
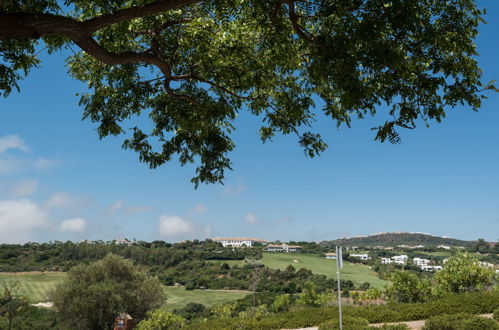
(37, 285)
(178, 297)
(34, 285)
(357, 273)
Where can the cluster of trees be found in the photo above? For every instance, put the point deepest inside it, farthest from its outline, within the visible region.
(64, 255)
(462, 273)
(213, 275)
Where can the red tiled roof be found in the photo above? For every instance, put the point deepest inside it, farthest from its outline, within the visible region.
(330, 254)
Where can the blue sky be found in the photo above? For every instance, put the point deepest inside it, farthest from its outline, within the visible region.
(58, 181)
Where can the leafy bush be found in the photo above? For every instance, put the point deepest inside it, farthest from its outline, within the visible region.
(496, 314)
(462, 321)
(349, 323)
(159, 319)
(472, 303)
(391, 327)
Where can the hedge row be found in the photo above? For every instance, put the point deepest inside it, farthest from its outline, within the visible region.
(472, 303)
(462, 321)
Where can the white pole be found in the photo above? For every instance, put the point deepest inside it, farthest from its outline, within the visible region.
(338, 266)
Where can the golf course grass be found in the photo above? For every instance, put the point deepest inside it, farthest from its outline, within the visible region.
(178, 297)
(356, 273)
(36, 286)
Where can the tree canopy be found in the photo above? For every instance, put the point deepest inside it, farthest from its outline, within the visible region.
(191, 66)
(93, 295)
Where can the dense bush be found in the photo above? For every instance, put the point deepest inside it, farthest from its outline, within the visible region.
(472, 303)
(34, 318)
(462, 321)
(496, 314)
(391, 327)
(61, 256)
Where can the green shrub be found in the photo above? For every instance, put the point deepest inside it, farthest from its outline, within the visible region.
(472, 303)
(481, 323)
(391, 327)
(349, 323)
(496, 314)
(462, 321)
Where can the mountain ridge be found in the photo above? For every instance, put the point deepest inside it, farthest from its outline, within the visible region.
(386, 239)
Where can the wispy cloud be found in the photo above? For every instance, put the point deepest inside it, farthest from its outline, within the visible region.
(24, 188)
(250, 218)
(120, 207)
(45, 163)
(66, 201)
(12, 142)
(20, 219)
(233, 190)
(10, 164)
(198, 209)
(175, 227)
(73, 225)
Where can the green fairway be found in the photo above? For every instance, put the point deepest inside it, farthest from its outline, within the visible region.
(357, 273)
(178, 297)
(34, 285)
(37, 285)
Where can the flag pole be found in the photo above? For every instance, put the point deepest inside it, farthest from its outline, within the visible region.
(339, 264)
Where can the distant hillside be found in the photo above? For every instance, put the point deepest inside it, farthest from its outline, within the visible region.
(395, 239)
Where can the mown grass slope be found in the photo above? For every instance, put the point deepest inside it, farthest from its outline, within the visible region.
(178, 297)
(357, 273)
(35, 285)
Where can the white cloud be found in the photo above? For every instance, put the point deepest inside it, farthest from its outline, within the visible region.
(250, 218)
(12, 142)
(173, 226)
(45, 163)
(120, 207)
(233, 190)
(75, 224)
(19, 220)
(24, 188)
(197, 209)
(10, 164)
(59, 199)
(115, 207)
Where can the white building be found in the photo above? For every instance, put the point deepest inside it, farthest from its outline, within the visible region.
(122, 241)
(420, 262)
(445, 247)
(283, 248)
(401, 260)
(360, 256)
(239, 242)
(386, 261)
(428, 268)
(330, 255)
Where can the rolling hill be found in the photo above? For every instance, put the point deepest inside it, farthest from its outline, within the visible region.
(398, 238)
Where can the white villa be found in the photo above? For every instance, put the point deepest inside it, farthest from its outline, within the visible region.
(401, 260)
(420, 262)
(360, 256)
(283, 248)
(431, 268)
(386, 261)
(330, 255)
(239, 242)
(122, 241)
